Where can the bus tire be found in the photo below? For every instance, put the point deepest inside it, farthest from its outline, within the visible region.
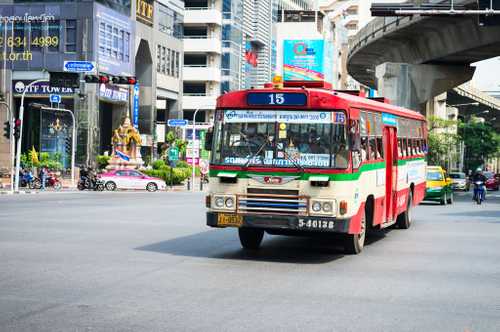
(404, 219)
(354, 243)
(250, 238)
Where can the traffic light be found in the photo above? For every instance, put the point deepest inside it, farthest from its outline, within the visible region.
(17, 128)
(68, 145)
(6, 129)
(64, 80)
(129, 80)
(104, 79)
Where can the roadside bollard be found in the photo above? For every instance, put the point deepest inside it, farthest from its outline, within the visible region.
(201, 183)
(189, 184)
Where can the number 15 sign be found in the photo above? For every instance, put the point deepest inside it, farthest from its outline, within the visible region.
(277, 99)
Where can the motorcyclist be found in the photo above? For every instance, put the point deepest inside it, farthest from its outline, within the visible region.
(479, 177)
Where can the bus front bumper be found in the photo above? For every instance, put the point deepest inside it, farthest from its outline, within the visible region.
(278, 222)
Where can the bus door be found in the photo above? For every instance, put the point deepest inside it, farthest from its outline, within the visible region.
(391, 172)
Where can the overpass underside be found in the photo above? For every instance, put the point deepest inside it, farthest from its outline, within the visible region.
(410, 60)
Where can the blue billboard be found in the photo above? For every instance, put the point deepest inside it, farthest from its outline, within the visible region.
(303, 60)
(114, 36)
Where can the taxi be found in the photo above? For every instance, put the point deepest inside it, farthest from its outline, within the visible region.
(438, 186)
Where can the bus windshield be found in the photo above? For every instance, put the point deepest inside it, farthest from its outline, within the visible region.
(281, 138)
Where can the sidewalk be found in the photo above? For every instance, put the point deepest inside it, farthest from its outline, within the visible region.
(5, 188)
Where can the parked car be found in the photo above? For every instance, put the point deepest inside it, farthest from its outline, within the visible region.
(459, 181)
(492, 181)
(131, 179)
(438, 186)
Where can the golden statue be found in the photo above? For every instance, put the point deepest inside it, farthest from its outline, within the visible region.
(126, 142)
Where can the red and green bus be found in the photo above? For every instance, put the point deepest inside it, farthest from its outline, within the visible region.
(303, 159)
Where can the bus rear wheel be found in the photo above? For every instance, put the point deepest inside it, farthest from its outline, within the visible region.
(404, 219)
(250, 238)
(354, 243)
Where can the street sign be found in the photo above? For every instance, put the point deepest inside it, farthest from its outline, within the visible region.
(173, 154)
(55, 99)
(80, 66)
(204, 166)
(177, 122)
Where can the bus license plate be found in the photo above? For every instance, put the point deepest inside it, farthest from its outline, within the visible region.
(231, 220)
(316, 224)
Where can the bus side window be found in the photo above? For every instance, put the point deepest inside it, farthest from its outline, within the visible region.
(364, 148)
(380, 148)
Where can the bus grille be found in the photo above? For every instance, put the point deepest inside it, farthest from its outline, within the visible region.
(272, 201)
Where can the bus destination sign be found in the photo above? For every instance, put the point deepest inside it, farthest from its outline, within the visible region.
(276, 99)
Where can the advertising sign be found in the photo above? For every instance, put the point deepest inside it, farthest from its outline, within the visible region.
(113, 93)
(135, 112)
(40, 88)
(281, 116)
(303, 60)
(113, 41)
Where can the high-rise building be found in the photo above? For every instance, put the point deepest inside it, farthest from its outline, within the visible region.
(229, 45)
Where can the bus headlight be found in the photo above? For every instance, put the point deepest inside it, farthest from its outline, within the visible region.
(219, 202)
(324, 207)
(224, 202)
(316, 206)
(229, 202)
(327, 207)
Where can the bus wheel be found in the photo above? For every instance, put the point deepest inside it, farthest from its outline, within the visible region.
(353, 243)
(250, 238)
(404, 219)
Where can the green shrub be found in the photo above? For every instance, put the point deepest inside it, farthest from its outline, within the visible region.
(169, 175)
(182, 164)
(158, 164)
(102, 161)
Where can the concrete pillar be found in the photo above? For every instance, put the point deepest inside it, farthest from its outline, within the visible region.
(411, 86)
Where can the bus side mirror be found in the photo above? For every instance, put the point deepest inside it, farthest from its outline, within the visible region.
(208, 141)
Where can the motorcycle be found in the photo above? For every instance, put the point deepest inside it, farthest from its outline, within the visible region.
(27, 179)
(50, 181)
(479, 191)
(91, 183)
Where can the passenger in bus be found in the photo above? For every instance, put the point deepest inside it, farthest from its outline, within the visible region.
(341, 158)
(399, 149)
(364, 148)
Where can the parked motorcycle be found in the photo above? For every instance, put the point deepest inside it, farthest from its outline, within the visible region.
(90, 183)
(50, 181)
(26, 179)
(479, 191)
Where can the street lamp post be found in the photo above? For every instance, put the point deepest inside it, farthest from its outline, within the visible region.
(21, 117)
(193, 136)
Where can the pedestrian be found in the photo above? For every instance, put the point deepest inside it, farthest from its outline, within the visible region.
(43, 177)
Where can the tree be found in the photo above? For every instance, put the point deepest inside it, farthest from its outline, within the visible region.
(481, 142)
(442, 141)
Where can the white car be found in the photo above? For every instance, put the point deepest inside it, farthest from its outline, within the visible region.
(131, 179)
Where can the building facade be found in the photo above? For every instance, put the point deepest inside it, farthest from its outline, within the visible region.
(228, 45)
(105, 33)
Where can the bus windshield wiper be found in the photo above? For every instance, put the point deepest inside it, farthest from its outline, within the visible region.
(256, 153)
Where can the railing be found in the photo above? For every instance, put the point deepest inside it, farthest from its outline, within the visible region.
(196, 37)
(196, 66)
(198, 8)
(377, 27)
(196, 94)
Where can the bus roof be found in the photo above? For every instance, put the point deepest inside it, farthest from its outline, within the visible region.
(317, 99)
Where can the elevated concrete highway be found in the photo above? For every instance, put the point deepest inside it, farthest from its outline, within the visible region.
(421, 56)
